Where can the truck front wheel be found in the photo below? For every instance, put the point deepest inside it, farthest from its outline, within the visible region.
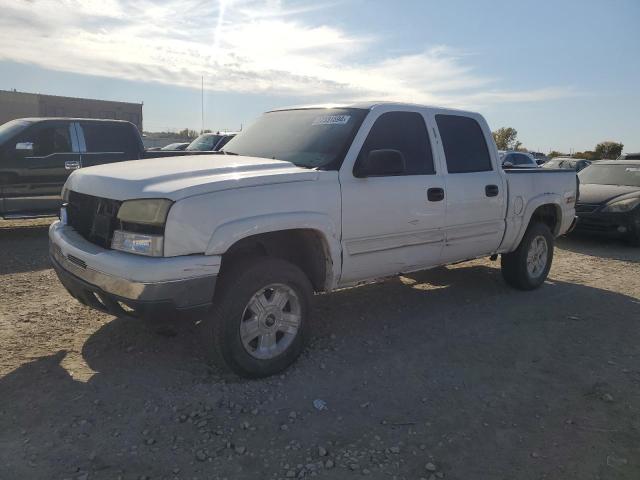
(259, 320)
(527, 267)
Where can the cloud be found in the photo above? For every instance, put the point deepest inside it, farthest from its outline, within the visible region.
(239, 46)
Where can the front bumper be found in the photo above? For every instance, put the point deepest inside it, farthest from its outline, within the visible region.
(127, 284)
(618, 225)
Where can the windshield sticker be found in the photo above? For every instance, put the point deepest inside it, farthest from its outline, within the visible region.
(331, 120)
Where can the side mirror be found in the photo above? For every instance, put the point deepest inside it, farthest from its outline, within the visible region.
(380, 163)
(25, 147)
(507, 164)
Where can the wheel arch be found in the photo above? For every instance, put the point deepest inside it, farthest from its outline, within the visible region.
(307, 239)
(546, 208)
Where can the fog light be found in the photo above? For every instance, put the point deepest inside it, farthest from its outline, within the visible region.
(139, 243)
(622, 229)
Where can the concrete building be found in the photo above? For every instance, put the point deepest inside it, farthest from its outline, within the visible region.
(15, 104)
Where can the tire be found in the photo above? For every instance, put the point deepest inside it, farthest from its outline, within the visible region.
(634, 239)
(261, 296)
(516, 269)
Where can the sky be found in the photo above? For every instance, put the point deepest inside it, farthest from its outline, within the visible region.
(564, 73)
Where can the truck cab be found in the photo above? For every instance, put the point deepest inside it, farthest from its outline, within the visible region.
(38, 154)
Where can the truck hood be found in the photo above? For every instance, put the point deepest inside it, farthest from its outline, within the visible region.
(179, 177)
(596, 194)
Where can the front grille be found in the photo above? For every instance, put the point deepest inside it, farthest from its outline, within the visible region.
(77, 261)
(94, 218)
(586, 207)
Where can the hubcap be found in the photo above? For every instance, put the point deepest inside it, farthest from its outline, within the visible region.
(537, 256)
(270, 321)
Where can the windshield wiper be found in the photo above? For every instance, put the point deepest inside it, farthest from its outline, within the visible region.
(227, 152)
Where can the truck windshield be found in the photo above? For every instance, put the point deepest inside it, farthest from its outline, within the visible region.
(9, 129)
(204, 142)
(611, 175)
(310, 138)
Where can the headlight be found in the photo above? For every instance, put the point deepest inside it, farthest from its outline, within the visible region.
(140, 243)
(622, 205)
(141, 226)
(147, 212)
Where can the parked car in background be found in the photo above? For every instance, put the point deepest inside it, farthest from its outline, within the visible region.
(629, 156)
(306, 199)
(540, 157)
(568, 163)
(517, 159)
(210, 142)
(609, 201)
(176, 146)
(38, 154)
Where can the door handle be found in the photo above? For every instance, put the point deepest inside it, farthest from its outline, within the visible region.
(435, 194)
(71, 165)
(491, 190)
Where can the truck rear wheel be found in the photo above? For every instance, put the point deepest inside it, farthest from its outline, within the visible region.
(527, 267)
(257, 326)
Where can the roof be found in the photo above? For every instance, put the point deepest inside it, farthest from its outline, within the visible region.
(617, 162)
(573, 159)
(72, 119)
(64, 97)
(365, 106)
(219, 133)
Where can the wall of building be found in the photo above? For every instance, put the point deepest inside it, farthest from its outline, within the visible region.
(19, 104)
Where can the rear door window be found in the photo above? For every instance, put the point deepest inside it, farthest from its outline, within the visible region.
(464, 144)
(405, 132)
(103, 137)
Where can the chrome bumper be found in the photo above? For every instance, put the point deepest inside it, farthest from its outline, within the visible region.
(72, 258)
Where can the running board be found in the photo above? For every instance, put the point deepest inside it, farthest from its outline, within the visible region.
(27, 216)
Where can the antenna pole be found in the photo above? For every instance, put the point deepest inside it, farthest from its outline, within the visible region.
(202, 106)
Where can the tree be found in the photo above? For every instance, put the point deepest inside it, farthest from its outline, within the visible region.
(587, 155)
(186, 133)
(609, 150)
(555, 153)
(506, 138)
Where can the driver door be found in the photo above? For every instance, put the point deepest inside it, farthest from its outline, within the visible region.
(40, 160)
(393, 223)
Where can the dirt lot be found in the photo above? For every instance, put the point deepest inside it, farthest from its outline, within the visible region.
(444, 374)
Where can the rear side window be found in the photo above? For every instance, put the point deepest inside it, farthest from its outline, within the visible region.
(519, 159)
(406, 132)
(464, 145)
(102, 137)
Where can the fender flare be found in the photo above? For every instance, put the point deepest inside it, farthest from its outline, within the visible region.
(533, 204)
(227, 234)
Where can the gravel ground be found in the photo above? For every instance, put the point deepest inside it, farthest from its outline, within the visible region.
(442, 374)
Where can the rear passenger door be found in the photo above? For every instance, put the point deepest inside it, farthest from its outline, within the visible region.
(105, 142)
(475, 191)
(392, 223)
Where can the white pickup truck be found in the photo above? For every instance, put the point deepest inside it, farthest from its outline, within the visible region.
(305, 200)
